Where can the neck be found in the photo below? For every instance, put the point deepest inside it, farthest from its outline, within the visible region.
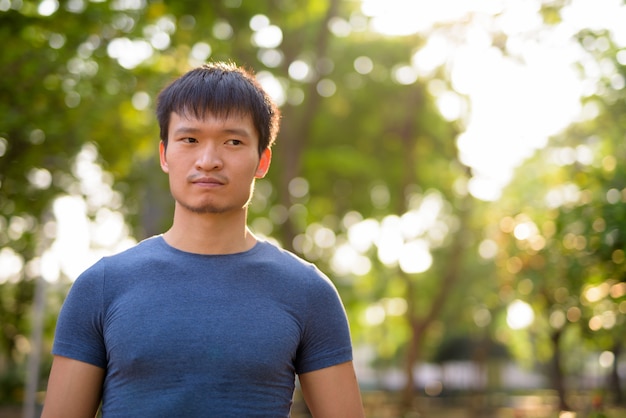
(210, 233)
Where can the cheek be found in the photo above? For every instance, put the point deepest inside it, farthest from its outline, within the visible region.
(176, 162)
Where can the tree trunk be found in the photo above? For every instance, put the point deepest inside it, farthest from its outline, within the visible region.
(558, 380)
(615, 386)
(419, 326)
(296, 126)
(413, 353)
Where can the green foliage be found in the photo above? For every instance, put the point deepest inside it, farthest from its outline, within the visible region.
(371, 149)
(574, 261)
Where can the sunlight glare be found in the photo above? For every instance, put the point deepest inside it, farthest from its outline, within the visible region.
(525, 230)
(339, 27)
(519, 315)
(415, 257)
(200, 52)
(78, 240)
(48, 7)
(273, 87)
(49, 267)
(322, 236)
(598, 15)
(375, 315)
(450, 105)
(12, 264)
(395, 306)
(108, 229)
(326, 87)
(362, 235)
(390, 241)
(432, 55)
(606, 359)
(271, 58)
(594, 294)
(406, 17)
(404, 74)
(129, 54)
(222, 30)
(71, 245)
(404, 241)
(488, 249)
(363, 65)
(40, 178)
(346, 260)
(268, 37)
(482, 317)
(299, 70)
(419, 221)
(504, 121)
(258, 22)
(506, 118)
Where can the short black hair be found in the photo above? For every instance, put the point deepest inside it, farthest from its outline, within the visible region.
(219, 89)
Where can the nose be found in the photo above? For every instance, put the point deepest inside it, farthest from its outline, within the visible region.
(209, 158)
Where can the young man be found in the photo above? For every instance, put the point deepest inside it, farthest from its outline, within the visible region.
(205, 320)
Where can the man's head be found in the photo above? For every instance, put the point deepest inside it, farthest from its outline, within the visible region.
(219, 89)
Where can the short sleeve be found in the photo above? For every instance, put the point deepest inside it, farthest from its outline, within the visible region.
(79, 333)
(326, 338)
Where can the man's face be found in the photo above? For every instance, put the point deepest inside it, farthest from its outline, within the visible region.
(212, 162)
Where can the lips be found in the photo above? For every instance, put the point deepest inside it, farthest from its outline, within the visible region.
(207, 180)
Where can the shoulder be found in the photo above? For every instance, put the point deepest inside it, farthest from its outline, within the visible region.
(272, 252)
(153, 246)
(148, 254)
(132, 259)
(284, 261)
(294, 273)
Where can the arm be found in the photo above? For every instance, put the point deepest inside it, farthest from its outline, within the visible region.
(332, 392)
(74, 389)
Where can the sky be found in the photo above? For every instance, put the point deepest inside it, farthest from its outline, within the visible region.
(516, 102)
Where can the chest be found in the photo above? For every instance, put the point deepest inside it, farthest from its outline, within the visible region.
(206, 331)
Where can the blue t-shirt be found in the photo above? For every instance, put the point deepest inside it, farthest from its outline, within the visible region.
(182, 334)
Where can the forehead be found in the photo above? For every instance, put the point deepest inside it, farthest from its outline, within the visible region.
(238, 122)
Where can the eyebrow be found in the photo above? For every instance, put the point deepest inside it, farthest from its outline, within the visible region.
(236, 131)
(192, 130)
(186, 130)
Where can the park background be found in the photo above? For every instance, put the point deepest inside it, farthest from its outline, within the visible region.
(455, 166)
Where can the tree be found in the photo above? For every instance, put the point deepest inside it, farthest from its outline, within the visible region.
(563, 231)
(102, 66)
(368, 180)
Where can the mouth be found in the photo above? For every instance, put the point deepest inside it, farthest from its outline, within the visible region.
(211, 181)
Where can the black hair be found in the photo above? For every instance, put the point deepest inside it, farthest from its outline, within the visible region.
(219, 89)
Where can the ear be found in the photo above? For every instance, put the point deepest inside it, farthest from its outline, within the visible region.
(264, 164)
(164, 165)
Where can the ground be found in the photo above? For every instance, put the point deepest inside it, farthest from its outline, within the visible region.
(380, 404)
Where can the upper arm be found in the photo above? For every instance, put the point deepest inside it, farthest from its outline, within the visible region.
(74, 389)
(332, 392)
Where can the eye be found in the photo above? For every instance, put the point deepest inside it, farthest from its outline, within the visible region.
(234, 142)
(189, 140)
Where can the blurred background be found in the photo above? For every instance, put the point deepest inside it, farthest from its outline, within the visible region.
(452, 165)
